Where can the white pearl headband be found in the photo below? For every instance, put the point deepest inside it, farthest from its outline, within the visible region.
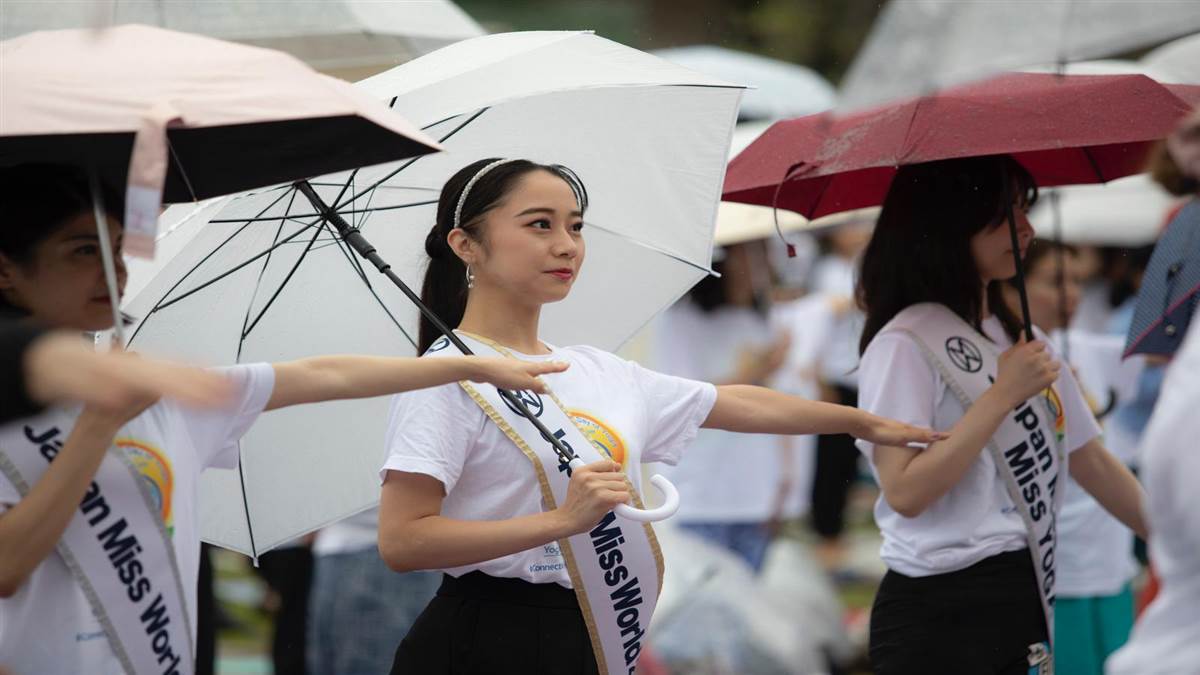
(462, 199)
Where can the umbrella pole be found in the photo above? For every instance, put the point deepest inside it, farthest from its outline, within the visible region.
(1016, 248)
(355, 240)
(107, 258)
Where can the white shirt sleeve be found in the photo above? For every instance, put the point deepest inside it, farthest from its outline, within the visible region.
(675, 408)
(1081, 423)
(430, 431)
(896, 381)
(215, 432)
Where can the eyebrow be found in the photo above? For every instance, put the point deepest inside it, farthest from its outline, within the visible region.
(546, 209)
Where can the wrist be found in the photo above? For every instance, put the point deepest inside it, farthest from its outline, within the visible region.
(558, 525)
(1002, 397)
(469, 368)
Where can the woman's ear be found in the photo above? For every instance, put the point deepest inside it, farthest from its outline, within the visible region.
(463, 245)
(7, 271)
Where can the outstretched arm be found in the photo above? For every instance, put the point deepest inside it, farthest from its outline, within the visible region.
(327, 378)
(758, 410)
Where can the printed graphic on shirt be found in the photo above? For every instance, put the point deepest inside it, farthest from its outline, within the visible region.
(604, 437)
(155, 470)
(1056, 407)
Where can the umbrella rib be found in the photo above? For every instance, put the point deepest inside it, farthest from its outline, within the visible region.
(261, 273)
(410, 162)
(651, 247)
(297, 217)
(159, 305)
(1095, 167)
(367, 282)
(282, 285)
(214, 280)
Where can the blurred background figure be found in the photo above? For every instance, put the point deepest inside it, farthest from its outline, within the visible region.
(1095, 561)
(834, 275)
(720, 332)
(358, 608)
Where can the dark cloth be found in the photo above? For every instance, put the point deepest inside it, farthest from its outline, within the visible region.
(15, 339)
(837, 467)
(482, 625)
(206, 616)
(980, 620)
(289, 571)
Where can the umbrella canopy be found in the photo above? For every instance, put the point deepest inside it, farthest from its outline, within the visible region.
(1170, 288)
(339, 37)
(1126, 212)
(918, 46)
(236, 117)
(1063, 129)
(780, 89)
(265, 278)
(1177, 61)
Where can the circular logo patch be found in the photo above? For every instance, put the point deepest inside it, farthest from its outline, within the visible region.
(964, 354)
(529, 398)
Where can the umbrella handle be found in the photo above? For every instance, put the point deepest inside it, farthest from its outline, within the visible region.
(668, 509)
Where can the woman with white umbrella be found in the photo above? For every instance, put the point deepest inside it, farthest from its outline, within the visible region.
(99, 549)
(514, 538)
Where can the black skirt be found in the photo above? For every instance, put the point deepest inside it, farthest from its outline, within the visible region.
(980, 620)
(478, 624)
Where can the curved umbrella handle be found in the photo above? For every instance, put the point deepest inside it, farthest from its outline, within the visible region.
(670, 500)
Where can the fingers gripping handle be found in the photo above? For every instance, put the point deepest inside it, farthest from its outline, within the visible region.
(670, 500)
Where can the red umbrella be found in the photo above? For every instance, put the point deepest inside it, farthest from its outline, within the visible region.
(1064, 129)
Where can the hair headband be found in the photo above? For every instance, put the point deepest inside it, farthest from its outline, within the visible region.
(462, 199)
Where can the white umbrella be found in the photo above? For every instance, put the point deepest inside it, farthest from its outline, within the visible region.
(1126, 212)
(1176, 62)
(649, 140)
(917, 46)
(780, 89)
(337, 36)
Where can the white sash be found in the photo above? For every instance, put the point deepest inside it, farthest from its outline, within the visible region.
(616, 568)
(119, 551)
(1028, 448)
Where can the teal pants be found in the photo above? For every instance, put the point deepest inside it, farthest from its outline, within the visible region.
(1087, 630)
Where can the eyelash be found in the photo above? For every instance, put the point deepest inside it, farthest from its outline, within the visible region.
(576, 227)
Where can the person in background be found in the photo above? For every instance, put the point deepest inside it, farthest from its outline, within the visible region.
(1094, 558)
(837, 461)
(358, 606)
(720, 333)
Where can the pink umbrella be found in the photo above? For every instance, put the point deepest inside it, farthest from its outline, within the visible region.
(183, 115)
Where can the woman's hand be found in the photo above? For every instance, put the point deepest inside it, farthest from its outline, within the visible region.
(884, 431)
(1025, 370)
(513, 374)
(594, 490)
(108, 419)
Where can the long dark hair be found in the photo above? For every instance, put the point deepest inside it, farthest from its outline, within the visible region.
(445, 287)
(921, 248)
(37, 201)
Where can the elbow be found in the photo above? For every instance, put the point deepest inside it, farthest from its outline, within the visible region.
(907, 505)
(10, 584)
(397, 557)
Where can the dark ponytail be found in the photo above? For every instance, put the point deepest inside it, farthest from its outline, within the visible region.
(445, 287)
(38, 200)
(920, 250)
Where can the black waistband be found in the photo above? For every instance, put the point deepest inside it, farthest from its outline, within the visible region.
(515, 591)
(1011, 565)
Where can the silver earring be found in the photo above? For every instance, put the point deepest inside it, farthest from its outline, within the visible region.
(470, 278)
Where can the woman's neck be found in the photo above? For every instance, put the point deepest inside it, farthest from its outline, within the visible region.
(496, 316)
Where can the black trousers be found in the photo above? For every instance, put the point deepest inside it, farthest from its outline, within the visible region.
(978, 621)
(482, 625)
(837, 467)
(289, 572)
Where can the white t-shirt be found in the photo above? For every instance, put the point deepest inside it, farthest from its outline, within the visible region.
(839, 358)
(637, 414)
(47, 627)
(1166, 638)
(975, 519)
(728, 477)
(1094, 556)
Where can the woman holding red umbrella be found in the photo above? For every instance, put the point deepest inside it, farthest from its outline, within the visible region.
(968, 522)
